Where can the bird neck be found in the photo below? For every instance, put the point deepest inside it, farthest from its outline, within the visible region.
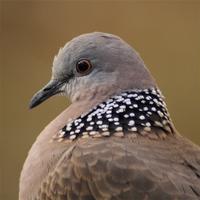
(95, 93)
(139, 112)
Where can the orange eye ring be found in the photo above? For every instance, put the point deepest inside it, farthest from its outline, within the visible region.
(83, 66)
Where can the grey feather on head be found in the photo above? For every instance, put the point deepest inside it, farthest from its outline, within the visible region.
(96, 63)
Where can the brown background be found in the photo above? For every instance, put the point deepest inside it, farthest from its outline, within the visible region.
(166, 33)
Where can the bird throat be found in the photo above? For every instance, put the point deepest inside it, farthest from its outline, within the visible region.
(136, 112)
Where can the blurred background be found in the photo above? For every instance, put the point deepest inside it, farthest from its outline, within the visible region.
(166, 34)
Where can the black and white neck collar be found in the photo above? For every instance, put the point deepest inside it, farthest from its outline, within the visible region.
(133, 111)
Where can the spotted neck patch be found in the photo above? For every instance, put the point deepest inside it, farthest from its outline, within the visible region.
(133, 111)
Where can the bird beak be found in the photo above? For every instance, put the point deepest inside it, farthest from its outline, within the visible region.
(52, 88)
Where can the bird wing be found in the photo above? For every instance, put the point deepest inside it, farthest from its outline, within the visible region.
(125, 168)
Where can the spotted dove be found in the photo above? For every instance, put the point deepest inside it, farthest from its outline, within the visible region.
(116, 140)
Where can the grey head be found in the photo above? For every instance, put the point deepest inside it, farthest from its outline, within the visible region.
(95, 63)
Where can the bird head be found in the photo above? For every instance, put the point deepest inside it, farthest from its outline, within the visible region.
(93, 64)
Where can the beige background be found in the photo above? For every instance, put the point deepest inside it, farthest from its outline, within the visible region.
(166, 33)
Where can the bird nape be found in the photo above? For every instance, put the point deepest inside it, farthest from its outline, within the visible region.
(116, 141)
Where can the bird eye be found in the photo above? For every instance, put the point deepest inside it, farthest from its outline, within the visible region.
(83, 67)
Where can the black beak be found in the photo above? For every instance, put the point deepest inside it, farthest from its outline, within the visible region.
(52, 88)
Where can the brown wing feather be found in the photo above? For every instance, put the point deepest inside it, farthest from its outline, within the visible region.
(126, 169)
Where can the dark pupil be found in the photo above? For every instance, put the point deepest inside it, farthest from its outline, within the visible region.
(83, 66)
